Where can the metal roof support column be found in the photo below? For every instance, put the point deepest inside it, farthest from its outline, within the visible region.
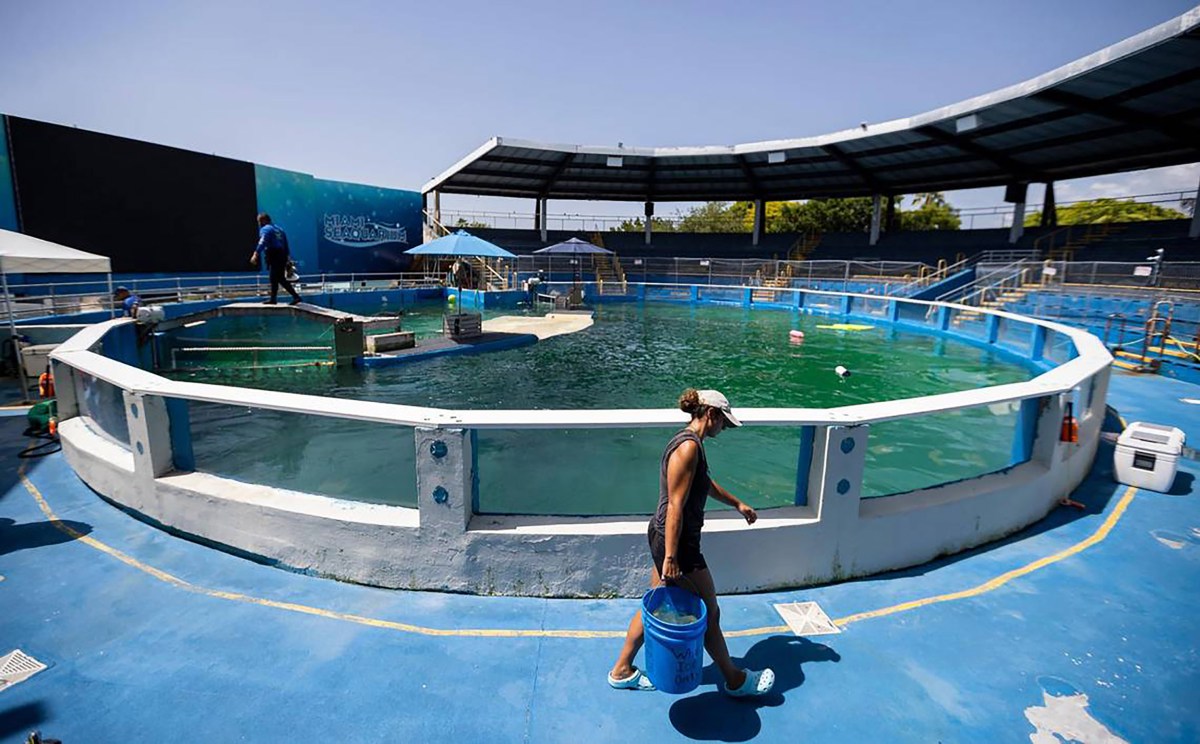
(1194, 231)
(537, 217)
(426, 220)
(889, 222)
(760, 219)
(1018, 225)
(876, 205)
(1049, 209)
(433, 218)
(1014, 194)
(649, 220)
(543, 219)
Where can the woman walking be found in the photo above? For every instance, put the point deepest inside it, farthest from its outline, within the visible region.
(684, 486)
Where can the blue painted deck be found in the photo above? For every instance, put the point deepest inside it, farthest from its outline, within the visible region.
(427, 348)
(151, 638)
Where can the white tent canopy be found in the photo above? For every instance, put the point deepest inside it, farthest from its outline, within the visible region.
(22, 254)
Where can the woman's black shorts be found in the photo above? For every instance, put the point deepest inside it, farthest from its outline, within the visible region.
(687, 552)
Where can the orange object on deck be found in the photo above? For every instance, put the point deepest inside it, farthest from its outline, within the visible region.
(1070, 427)
(46, 384)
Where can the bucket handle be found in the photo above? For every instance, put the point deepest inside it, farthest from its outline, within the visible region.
(663, 585)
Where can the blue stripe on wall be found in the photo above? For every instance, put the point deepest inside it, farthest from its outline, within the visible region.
(8, 194)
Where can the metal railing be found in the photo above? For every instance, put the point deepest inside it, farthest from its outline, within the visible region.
(990, 282)
(37, 299)
(893, 278)
(984, 217)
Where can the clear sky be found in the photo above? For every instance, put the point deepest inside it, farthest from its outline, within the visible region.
(393, 93)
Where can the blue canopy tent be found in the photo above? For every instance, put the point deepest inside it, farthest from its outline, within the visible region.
(461, 244)
(575, 248)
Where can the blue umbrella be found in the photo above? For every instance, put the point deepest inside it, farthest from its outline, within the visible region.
(461, 244)
(574, 246)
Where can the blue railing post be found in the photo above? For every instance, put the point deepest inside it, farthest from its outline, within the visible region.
(1026, 430)
(804, 464)
(694, 293)
(181, 434)
(747, 296)
(993, 328)
(1037, 343)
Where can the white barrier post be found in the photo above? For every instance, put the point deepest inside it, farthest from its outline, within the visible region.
(64, 390)
(835, 488)
(445, 479)
(149, 435)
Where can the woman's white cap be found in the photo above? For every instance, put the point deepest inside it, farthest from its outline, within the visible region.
(716, 399)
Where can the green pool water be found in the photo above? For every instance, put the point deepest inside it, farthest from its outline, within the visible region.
(635, 356)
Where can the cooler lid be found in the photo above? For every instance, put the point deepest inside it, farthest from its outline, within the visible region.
(1166, 440)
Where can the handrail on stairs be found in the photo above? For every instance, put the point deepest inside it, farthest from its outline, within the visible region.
(1015, 270)
(928, 275)
(502, 279)
(436, 223)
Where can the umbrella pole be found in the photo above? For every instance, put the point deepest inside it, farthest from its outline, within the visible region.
(12, 329)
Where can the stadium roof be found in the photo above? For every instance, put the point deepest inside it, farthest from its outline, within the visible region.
(1133, 105)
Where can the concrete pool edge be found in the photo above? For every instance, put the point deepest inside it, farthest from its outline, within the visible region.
(569, 557)
(444, 544)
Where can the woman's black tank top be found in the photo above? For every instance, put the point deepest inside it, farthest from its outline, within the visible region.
(693, 506)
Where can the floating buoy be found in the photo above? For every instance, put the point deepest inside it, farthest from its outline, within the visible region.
(846, 327)
(841, 371)
(795, 336)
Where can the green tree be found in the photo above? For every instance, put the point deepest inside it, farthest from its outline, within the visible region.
(1100, 211)
(932, 212)
(465, 223)
(713, 217)
(825, 215)
(657, 224)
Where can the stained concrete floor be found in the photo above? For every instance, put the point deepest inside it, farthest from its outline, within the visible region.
(1083, 627)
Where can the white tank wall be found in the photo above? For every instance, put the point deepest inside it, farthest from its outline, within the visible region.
(444, 546)
(408, 548)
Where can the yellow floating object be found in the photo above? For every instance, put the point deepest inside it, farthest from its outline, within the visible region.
(846, 327)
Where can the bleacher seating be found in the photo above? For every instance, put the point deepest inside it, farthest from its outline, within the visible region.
(1128, 242)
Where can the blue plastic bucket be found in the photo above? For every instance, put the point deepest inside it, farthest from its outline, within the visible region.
(674, 653)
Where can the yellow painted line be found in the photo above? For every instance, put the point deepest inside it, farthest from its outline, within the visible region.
(1100, 534)
(1004, 578)
(292, 606)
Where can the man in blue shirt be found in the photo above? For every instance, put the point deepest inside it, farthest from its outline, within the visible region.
(273, 246)
(129, 301)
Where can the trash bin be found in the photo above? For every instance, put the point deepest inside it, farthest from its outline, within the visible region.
(1147, 456)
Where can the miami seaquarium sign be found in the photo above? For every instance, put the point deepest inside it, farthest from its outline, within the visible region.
(359, 232)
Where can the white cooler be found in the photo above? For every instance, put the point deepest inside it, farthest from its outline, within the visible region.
(1147, 456)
